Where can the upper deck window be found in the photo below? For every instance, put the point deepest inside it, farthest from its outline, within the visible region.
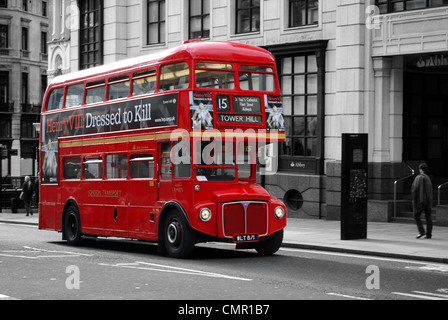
(175, 76)
(119, 87)
(56, 99)
(144, 82)
(74, 96)
(96, 91)
(257, 78)
(215, 75)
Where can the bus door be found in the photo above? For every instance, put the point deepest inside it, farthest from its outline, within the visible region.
(114, 194)
(165, 172)
(143, 192)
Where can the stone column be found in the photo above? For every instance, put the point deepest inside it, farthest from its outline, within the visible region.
(382, 72)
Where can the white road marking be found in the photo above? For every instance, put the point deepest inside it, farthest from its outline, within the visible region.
(431, 267)
(445, 296)
(419, 296)
(19, 225)
(352, 255)
(347, 296)
(3, 297)
(36, 253)
(170, 269)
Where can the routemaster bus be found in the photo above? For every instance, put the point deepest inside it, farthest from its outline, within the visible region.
(164, 148)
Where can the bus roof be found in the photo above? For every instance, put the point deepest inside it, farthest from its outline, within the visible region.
(193, 49)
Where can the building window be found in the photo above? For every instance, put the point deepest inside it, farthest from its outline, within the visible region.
(389, 6)
(27, 128)
(155, 22)
(4, 42)
(43, 42)
(299, 80)
(301, 69)
(303, 12)
(25, 39)
(25, 5)
(4, 89)
(3, 3)
(199, 19)
(44, 8)
(91, 33)
(25, 90)
(43, 86)
(5, 127)
(247, 16)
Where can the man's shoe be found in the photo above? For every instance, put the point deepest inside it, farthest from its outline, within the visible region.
(428, 237)
(421, 235)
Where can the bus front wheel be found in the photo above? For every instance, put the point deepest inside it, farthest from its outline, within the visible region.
(271, 244)
(179, 239)
(72, 227)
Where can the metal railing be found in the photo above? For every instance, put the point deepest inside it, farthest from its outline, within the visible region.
(395, 187)
(439, 193)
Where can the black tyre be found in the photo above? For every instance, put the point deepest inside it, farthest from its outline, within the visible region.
(72, 227)
(178, 238)
(271, 244)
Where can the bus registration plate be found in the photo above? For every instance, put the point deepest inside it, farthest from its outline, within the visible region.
(245, 238)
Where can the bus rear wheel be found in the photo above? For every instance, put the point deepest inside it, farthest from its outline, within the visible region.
(179, 239)
(271, 244)
(72, 227)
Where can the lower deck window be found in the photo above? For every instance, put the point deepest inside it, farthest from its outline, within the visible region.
(141, 166)
(72, 168)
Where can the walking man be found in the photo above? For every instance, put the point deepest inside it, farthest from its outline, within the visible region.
(422, 198)
(27, 189)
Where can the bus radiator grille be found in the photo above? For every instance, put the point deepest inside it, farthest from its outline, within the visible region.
(245, 218)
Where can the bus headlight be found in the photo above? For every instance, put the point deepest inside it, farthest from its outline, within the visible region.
(279, 213)
(206, 214)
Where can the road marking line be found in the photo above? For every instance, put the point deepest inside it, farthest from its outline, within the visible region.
(347, 296)
(3, 297)
(53, 251)
(431, 267)
(433, 294)
(169, 269)
(418, 296)
(45, 253)
(352, 255)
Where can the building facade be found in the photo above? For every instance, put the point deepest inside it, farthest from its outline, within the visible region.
(23, 79)
(346, 66)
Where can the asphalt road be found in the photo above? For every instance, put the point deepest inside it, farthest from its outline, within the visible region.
(38, 265)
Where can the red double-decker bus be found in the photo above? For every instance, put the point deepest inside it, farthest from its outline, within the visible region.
(164, 148)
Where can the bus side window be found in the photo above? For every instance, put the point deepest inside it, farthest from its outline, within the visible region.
(56, 99)
(144, 82)
(165, 160)
(182, 169)
(117, 166)
(141, 166)
(72, 168)
(74, 96)
(96, 92)
(119, 87)
(175, 76)
(93, 168)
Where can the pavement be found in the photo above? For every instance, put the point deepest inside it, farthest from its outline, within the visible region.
(391, 240)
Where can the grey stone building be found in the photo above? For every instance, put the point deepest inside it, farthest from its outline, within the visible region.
(23, 79)
(346, 66)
